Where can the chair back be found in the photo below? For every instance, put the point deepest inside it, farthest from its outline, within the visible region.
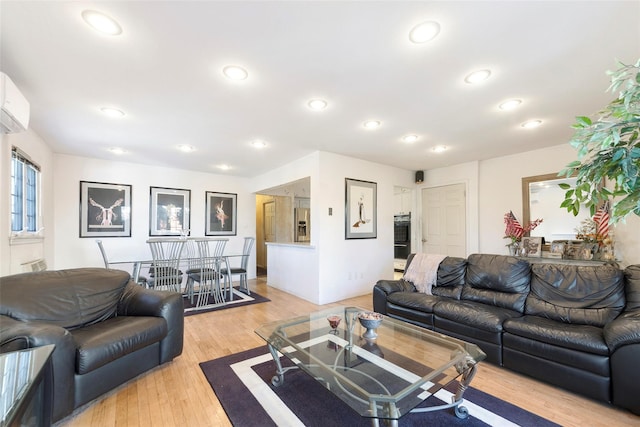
(190, 253)
(246, 251)
(210, 253)
(104, 254)
(165, 271)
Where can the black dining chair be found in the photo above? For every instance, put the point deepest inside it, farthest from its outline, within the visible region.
(205, 258)
(228, 272)
(141, 280)
(165, 273)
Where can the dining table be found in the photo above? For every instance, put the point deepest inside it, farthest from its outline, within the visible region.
(138, 265)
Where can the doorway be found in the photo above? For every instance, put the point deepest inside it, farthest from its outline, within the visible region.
(444, 220)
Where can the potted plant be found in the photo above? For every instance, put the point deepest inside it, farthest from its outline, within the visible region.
(609, 147)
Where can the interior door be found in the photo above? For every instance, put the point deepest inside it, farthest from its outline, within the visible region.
(269, 223)
(444, 220)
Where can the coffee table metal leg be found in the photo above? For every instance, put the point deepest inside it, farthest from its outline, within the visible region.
(278, 378)
(461, 411)
(391, 410)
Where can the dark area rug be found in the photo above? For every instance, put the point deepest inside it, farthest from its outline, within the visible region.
(314, 405)
(239, 299)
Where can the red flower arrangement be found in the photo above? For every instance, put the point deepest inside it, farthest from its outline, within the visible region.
(514, 230)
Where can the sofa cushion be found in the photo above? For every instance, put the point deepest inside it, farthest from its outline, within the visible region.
(102, 343)
(414, 300)
(481, 316)
(585, 338)
(497, 280)
(66, 298)
(586, 295)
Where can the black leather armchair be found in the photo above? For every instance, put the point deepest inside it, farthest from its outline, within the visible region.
(106, 328)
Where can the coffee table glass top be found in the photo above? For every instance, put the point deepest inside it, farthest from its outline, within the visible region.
(385, 376)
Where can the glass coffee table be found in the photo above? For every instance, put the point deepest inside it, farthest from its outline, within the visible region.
(382, 373)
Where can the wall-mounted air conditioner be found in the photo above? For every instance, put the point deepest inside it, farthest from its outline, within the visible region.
(14, 113)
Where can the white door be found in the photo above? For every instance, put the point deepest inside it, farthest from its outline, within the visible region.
(269, 223)
(444, 220)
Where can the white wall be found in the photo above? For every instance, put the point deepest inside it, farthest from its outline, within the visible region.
(351, 267)
(500, 184)
(346, 268)
(73, 251)
(12, 255)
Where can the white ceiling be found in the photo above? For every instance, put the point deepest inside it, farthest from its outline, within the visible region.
(164, 71)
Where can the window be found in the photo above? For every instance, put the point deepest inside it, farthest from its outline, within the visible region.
(25, 192)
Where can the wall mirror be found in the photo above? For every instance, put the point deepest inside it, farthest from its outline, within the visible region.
(541, 198)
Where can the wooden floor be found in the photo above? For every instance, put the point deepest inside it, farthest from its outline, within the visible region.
(177, 394)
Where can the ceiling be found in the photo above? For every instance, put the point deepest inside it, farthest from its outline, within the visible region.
(165, 72)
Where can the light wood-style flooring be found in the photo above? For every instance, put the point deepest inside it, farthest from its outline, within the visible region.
(177, 393)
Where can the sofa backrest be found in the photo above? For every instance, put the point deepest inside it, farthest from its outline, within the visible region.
(67, 298)
(498, 280)
(588, 295)
(451, 274)
(632, 287)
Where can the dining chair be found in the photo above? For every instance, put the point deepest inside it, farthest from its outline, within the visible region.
(141, 280)
(228, 272)
(204, 269)
(165, 273)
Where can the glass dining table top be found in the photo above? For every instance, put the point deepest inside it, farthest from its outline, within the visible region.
(381, 377)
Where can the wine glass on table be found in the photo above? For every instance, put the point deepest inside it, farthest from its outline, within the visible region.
(334, 322)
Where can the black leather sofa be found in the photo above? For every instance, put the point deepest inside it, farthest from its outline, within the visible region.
(573, 326)
(106, 328)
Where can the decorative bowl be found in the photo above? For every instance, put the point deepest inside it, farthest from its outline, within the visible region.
(370, 320)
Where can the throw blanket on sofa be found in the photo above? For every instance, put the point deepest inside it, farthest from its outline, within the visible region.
(423, 271)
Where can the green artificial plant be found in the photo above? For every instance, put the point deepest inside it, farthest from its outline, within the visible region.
(609, 148)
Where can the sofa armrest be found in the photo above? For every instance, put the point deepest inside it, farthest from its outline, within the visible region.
(138, 301)
(15, 335)
(623, 338)
(385, 287)
(624, 330)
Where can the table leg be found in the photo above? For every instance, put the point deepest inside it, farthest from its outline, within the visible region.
(136, 271)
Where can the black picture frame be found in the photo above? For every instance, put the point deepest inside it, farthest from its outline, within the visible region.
(361, 209)
(169, 211)
(221, 214)
(105, 209)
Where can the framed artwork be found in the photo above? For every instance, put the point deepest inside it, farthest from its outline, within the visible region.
(557, 248)
(531, 246)
(220, 214)
(169, 212)
(105, 209)
(360, 209)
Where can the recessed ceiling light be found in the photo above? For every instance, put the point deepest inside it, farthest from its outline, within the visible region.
(317, 104)
(477, 76)
(101, 22)
(371, 124)
(235, 72)
(112, 112)
(186, 148)
(410, 138)
(424, 32)
(258, 143)
(439, 148)
(117, 150)
(510, 104)
(530, 124)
